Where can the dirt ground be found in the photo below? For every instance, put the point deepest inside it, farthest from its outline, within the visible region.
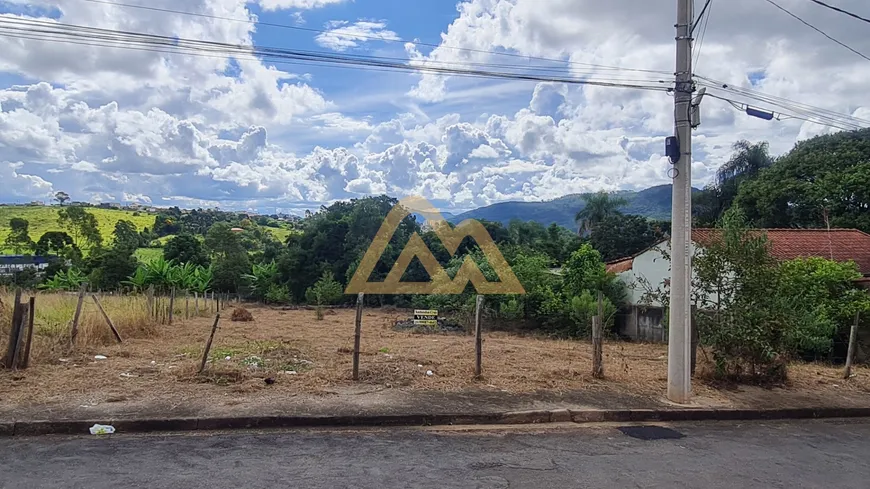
(287, 353)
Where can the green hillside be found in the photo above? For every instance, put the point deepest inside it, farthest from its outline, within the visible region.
(653, 203)
(44, 218)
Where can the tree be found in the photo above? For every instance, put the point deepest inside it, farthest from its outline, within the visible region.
(81, 225)
(229, 272)
(822, 181)
(109, 268)
(185, 248)
(745, 164)
(61, 197)
(58, 243)
(324, 292)
(221, 241)
(584, 270)
(126, 237)
(619, 236)
(19, 236)
(598, 206)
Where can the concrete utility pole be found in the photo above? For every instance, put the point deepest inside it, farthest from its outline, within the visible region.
(679, 330)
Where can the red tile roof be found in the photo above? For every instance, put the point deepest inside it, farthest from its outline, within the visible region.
(788, 244)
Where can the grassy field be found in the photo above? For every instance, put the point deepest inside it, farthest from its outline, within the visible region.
(43, 219)
(147, 254)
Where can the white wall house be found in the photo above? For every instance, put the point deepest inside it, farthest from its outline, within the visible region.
(651, 270)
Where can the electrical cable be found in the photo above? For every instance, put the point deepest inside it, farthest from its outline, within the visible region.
(783, 102)
(838, 9)
(375, 38)
(703, 33)
(57, 32)
(819, 30)
(743, 105)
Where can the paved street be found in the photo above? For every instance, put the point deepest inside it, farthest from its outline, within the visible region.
(803, 454)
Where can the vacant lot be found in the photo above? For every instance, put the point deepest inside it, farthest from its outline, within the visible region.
(303, 355)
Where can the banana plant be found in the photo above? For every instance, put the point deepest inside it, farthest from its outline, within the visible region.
(202, 279)
(139, 280)
(160, 273)
(71, 279)
(262, 277)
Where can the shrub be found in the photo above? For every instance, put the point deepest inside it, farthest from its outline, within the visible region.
(581, 310)
(511, 310)
(277, 294)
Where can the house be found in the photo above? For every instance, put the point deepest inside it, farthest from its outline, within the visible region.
(10, 264)
(647, 271)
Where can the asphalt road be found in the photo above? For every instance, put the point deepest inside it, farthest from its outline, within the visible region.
(824, 454)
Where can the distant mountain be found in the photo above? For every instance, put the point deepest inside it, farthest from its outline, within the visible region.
(653, 203)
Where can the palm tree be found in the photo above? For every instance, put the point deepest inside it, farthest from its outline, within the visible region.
(747, 161)
(598, 206)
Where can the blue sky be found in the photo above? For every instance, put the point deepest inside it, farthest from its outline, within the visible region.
(108, 124)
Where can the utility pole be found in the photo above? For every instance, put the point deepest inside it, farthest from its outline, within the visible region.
(679, 327)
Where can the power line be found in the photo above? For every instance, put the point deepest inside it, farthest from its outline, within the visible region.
(838, 9)
(742, 106)
(819, 30)
(709, 5)
(700, 16)
(58, 32)
(376, 38)
(781, 102)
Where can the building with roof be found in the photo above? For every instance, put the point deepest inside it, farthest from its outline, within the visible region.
(648, 271)
(10, 264)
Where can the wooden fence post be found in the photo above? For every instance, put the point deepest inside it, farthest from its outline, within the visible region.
(597, 326)
(357, 334)
(478, 339)
(208, 344)
(106, 317)
(18, 332)
(850, 355)
(171, 305)
(186, 305)
(25, 362)
(196, 303)
(78, 313)
(695, 339)
(16, 319)
(150, 302)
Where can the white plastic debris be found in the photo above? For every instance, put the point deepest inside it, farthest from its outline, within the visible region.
(128, 375)
(63, 360)
(100, 357)
(102, 429)
(420, 366)
(430, 373)
(228, 357)
(288, 372)
(153, 362)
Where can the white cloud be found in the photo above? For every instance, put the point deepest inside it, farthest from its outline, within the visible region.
(340, 35)
(300, 4)
(18, 186)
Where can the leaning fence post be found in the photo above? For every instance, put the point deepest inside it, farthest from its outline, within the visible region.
(25, 362)
(106, 317)
(356, 335)
(208, 344)
(78, 313)
(478, 339)
(853, 335)
(597, 326)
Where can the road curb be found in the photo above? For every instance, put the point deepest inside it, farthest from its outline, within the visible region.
(32, 428)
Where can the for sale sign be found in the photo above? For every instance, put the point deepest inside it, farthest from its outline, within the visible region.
(425, 317)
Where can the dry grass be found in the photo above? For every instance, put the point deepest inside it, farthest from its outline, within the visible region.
(55, 312)
(278, 343)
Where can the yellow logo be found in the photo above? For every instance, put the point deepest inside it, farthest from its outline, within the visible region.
(440, 282)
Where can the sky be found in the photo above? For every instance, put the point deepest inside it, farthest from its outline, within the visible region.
(106, 124)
